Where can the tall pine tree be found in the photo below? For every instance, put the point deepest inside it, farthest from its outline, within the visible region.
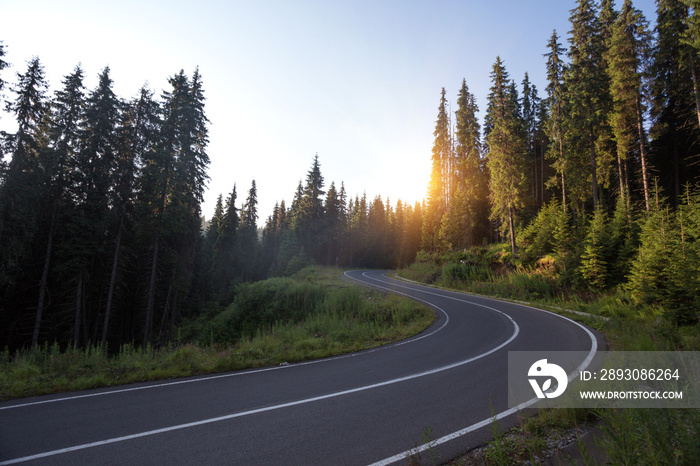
(3, 65)
(95, 169)
(506, 154)
(438, 190)
(139, 125)
(64, 131)
(466, 220)
(586, 87)
(176, 169)
(629, 46)
(558, 111)
(20, 185)
(673, 111)
(247, 245)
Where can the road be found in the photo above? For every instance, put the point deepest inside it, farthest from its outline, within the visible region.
(437, 391)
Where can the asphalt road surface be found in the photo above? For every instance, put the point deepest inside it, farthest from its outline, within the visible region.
(432, 396)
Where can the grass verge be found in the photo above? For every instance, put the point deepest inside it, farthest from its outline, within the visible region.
(629, 436)
(314, 314)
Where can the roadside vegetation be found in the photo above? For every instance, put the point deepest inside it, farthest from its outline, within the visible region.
(630, 436)
(313, 314)
(584, 199)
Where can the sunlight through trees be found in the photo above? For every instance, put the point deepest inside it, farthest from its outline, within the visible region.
(102, 238)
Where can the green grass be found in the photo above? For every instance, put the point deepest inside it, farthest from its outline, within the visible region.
(315, 314)
(628, 324)
(631, 436)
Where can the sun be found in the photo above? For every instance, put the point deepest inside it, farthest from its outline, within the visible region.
(408, 182)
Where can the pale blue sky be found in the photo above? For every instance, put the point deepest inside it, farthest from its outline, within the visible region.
(356, 82)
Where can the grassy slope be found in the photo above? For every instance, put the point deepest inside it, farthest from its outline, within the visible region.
(631, 436)
(315, 314)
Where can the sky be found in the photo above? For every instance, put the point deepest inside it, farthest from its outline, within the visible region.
(356, 82)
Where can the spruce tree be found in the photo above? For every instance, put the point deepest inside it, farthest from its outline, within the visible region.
(438, 189)
(176, 172)
(539, 237)
(309, 212)
(3, 65)
(20, 186)
(594, 268)
(466, 220)
(648, 279)
(506, 153)
(621, 245)
(95, 169)
(377, 220)
(313, 192)
(558, 109)
(691, 37)
(629, 45)
(468, 143)
(412, 234)
(563, 238)
(358, 230)
(530, 113)
(271, 238)
(334, 224)
(214, 228)
(666, 268)
(295, 208)
(223, 268)
(672, 100)
(64, 126)
(683, 298)
(138, 127)
(247, 244)
(185, 114)
(587, 88)
(458, 223)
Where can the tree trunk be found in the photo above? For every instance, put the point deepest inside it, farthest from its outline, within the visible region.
(173, 315)
(696, 91)
(541, 174)
(148, 326)
(511, 225)
(676, 167)
(621, 179)
(594, 169)
(533, 191)
(44, 277)
(563, 170)
(112, 281)
(626, 175)
(642, 150)
(166, 312)
(78, 310)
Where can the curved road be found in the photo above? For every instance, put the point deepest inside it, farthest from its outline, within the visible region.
(443, 386)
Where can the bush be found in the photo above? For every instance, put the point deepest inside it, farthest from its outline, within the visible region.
(539, 238)
(426, 269)
(270, 322)
(666, 270)
(462, 271)
(527, 284)
(260, 305)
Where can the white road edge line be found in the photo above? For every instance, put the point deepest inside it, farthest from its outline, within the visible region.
(408, 453)
(516, 331)
(233, 374)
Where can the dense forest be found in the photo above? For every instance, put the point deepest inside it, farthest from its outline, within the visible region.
(102, 238)
(594, 184)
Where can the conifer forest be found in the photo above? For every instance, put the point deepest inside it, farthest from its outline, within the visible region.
(591, 182)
